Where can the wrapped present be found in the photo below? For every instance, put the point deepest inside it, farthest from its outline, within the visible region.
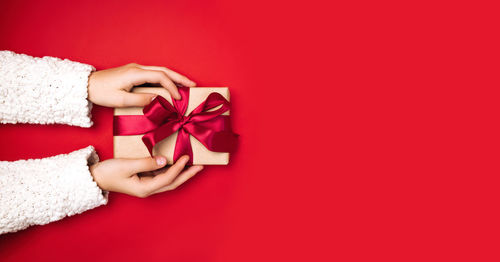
(197, 125)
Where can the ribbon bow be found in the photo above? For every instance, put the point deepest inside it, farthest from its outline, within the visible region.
(161, 120)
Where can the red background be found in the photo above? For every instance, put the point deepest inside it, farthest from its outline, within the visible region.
(369, 130)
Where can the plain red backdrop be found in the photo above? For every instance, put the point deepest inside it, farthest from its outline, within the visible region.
(369, 129)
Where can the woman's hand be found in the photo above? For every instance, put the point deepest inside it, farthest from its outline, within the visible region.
(145, 176)
(111, 87)
(141, 177)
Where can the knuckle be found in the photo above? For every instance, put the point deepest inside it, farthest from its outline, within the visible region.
(152, 162)
(133, 70)
(173, 172)
(170, 180)
(163, 76)
(142, 193)
(121, 101)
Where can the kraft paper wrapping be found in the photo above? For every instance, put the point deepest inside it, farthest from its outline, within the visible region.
(133, 147)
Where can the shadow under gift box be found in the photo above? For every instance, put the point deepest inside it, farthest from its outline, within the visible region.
(133, 147)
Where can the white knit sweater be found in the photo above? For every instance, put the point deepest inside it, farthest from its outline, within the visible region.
(38, 191)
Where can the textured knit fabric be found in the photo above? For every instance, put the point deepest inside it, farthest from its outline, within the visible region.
(43, 90)
(39, 191)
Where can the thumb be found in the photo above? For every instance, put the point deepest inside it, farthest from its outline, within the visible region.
(139, 165)
(136, 99)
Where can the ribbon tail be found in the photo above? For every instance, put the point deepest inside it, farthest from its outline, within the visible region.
(150, 139)
(215, 141)
(223, 141)
(183, 146)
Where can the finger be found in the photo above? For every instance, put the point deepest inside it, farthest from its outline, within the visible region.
(176, 77)
(134, 166)
(166, 177)
(135, 99)
(142, 76)
(178, 166)
(152, 173)
(183, 177)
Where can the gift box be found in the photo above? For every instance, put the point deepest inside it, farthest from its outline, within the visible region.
(197, 125)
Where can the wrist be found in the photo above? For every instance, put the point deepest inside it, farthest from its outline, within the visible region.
(94, 172)
(90, 84)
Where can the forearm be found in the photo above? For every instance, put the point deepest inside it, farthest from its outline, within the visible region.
(39, 191)
(43, 90)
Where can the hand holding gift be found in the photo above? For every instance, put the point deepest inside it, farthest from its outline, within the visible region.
(111, 87)
(142, 177)
(138, 176)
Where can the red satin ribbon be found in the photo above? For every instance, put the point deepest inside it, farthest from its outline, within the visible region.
(161, 120)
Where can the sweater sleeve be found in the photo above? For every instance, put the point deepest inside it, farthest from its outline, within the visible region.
(39, 191)
(44, 90)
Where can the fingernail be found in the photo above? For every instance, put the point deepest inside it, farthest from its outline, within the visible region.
(153, 98)
(161, 160)
(186, 157)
